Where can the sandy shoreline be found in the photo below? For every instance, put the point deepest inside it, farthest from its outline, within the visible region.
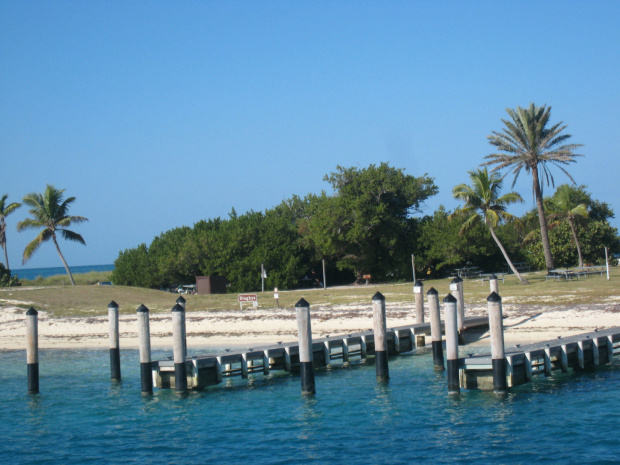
(255, 327)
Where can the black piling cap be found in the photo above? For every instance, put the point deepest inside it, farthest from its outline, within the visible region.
(449, 299)
(302, 303)
(378, 296)
(178, 308)
(142, 309)
(418, 283)
(494, 297)
(456, 280)
(432, 291)
(32, 311)
(112, 305)
(180, 300)
(492, 276)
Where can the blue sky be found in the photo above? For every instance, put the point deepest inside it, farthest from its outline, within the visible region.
(159, 114)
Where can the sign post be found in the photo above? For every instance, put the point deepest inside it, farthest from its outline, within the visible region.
(276, 296)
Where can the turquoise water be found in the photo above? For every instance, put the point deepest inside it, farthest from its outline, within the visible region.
(33, 273)
(80, 417)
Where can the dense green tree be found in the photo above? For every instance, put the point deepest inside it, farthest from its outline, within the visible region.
(528, 142)
(134, 267)
(441, 247)
(6, 280)
(569, 204)
(594, 236)
(484, 203)
(365, 226)
(50, 211)
(6, 210)
(594, 233)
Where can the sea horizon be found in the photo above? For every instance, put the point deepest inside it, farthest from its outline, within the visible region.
(46, 272)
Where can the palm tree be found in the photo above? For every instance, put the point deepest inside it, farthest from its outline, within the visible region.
(527, 143)
(6, 210)
(50, 212)
(569, 204)
(483, 203)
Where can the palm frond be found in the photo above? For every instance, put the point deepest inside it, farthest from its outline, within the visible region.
(72, 236)
(43, 236)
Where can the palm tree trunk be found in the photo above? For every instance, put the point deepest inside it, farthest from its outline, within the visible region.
(3, 238)
(544, 232)
(6, 258)
(522, 280)
(572, 228)
(63, 261)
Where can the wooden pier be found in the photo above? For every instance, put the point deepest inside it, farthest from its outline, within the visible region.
(523, 362)
(209, 370)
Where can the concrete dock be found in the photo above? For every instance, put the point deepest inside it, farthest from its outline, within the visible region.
(211, 369)
(523, 362)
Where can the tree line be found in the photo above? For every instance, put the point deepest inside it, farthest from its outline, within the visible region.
(370, 224)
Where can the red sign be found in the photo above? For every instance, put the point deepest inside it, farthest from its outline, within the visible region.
(248, 298)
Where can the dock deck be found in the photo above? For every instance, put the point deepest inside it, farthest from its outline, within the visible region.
(525, 361)
(209, 370)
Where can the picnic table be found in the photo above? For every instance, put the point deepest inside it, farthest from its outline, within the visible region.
(468, 272)
(562, 273)
(586, 270)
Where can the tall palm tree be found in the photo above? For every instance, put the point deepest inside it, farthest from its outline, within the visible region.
(6, 210)
(50, 211)
(528, 143)
(569, 204)
(483, 203)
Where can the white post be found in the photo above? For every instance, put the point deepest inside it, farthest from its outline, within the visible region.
(324, 276)
(452, 343)
(262, 276)
(144, 344)
(304, 333)
(607, 262)
(418, 291)
(178, 347)
(32, 350)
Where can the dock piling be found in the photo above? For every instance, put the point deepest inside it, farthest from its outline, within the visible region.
(418, 291)
(493, 284)
(144, 342)
(304, 331)
(456, 289)
(115, 354)
(498, 356)
(181, 301)
(435, 317)
(379, 330)
(452, 343)
(178, 347)
(32, 350)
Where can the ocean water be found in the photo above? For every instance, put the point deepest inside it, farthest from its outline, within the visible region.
(81, 417)
(33, 273)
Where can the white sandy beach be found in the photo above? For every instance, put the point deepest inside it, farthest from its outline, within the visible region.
(254, 327)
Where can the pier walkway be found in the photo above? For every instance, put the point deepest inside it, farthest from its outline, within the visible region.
(523, 362)
(209, 370)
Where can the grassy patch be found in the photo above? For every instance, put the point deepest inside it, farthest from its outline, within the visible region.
(84, 279)
(84, 300)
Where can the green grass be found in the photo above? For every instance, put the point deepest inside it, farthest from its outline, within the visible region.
(87, 299)
(93, 277)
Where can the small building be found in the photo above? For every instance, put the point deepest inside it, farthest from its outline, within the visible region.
(210, 285)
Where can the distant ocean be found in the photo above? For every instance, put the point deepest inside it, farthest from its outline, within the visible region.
(33, 273)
